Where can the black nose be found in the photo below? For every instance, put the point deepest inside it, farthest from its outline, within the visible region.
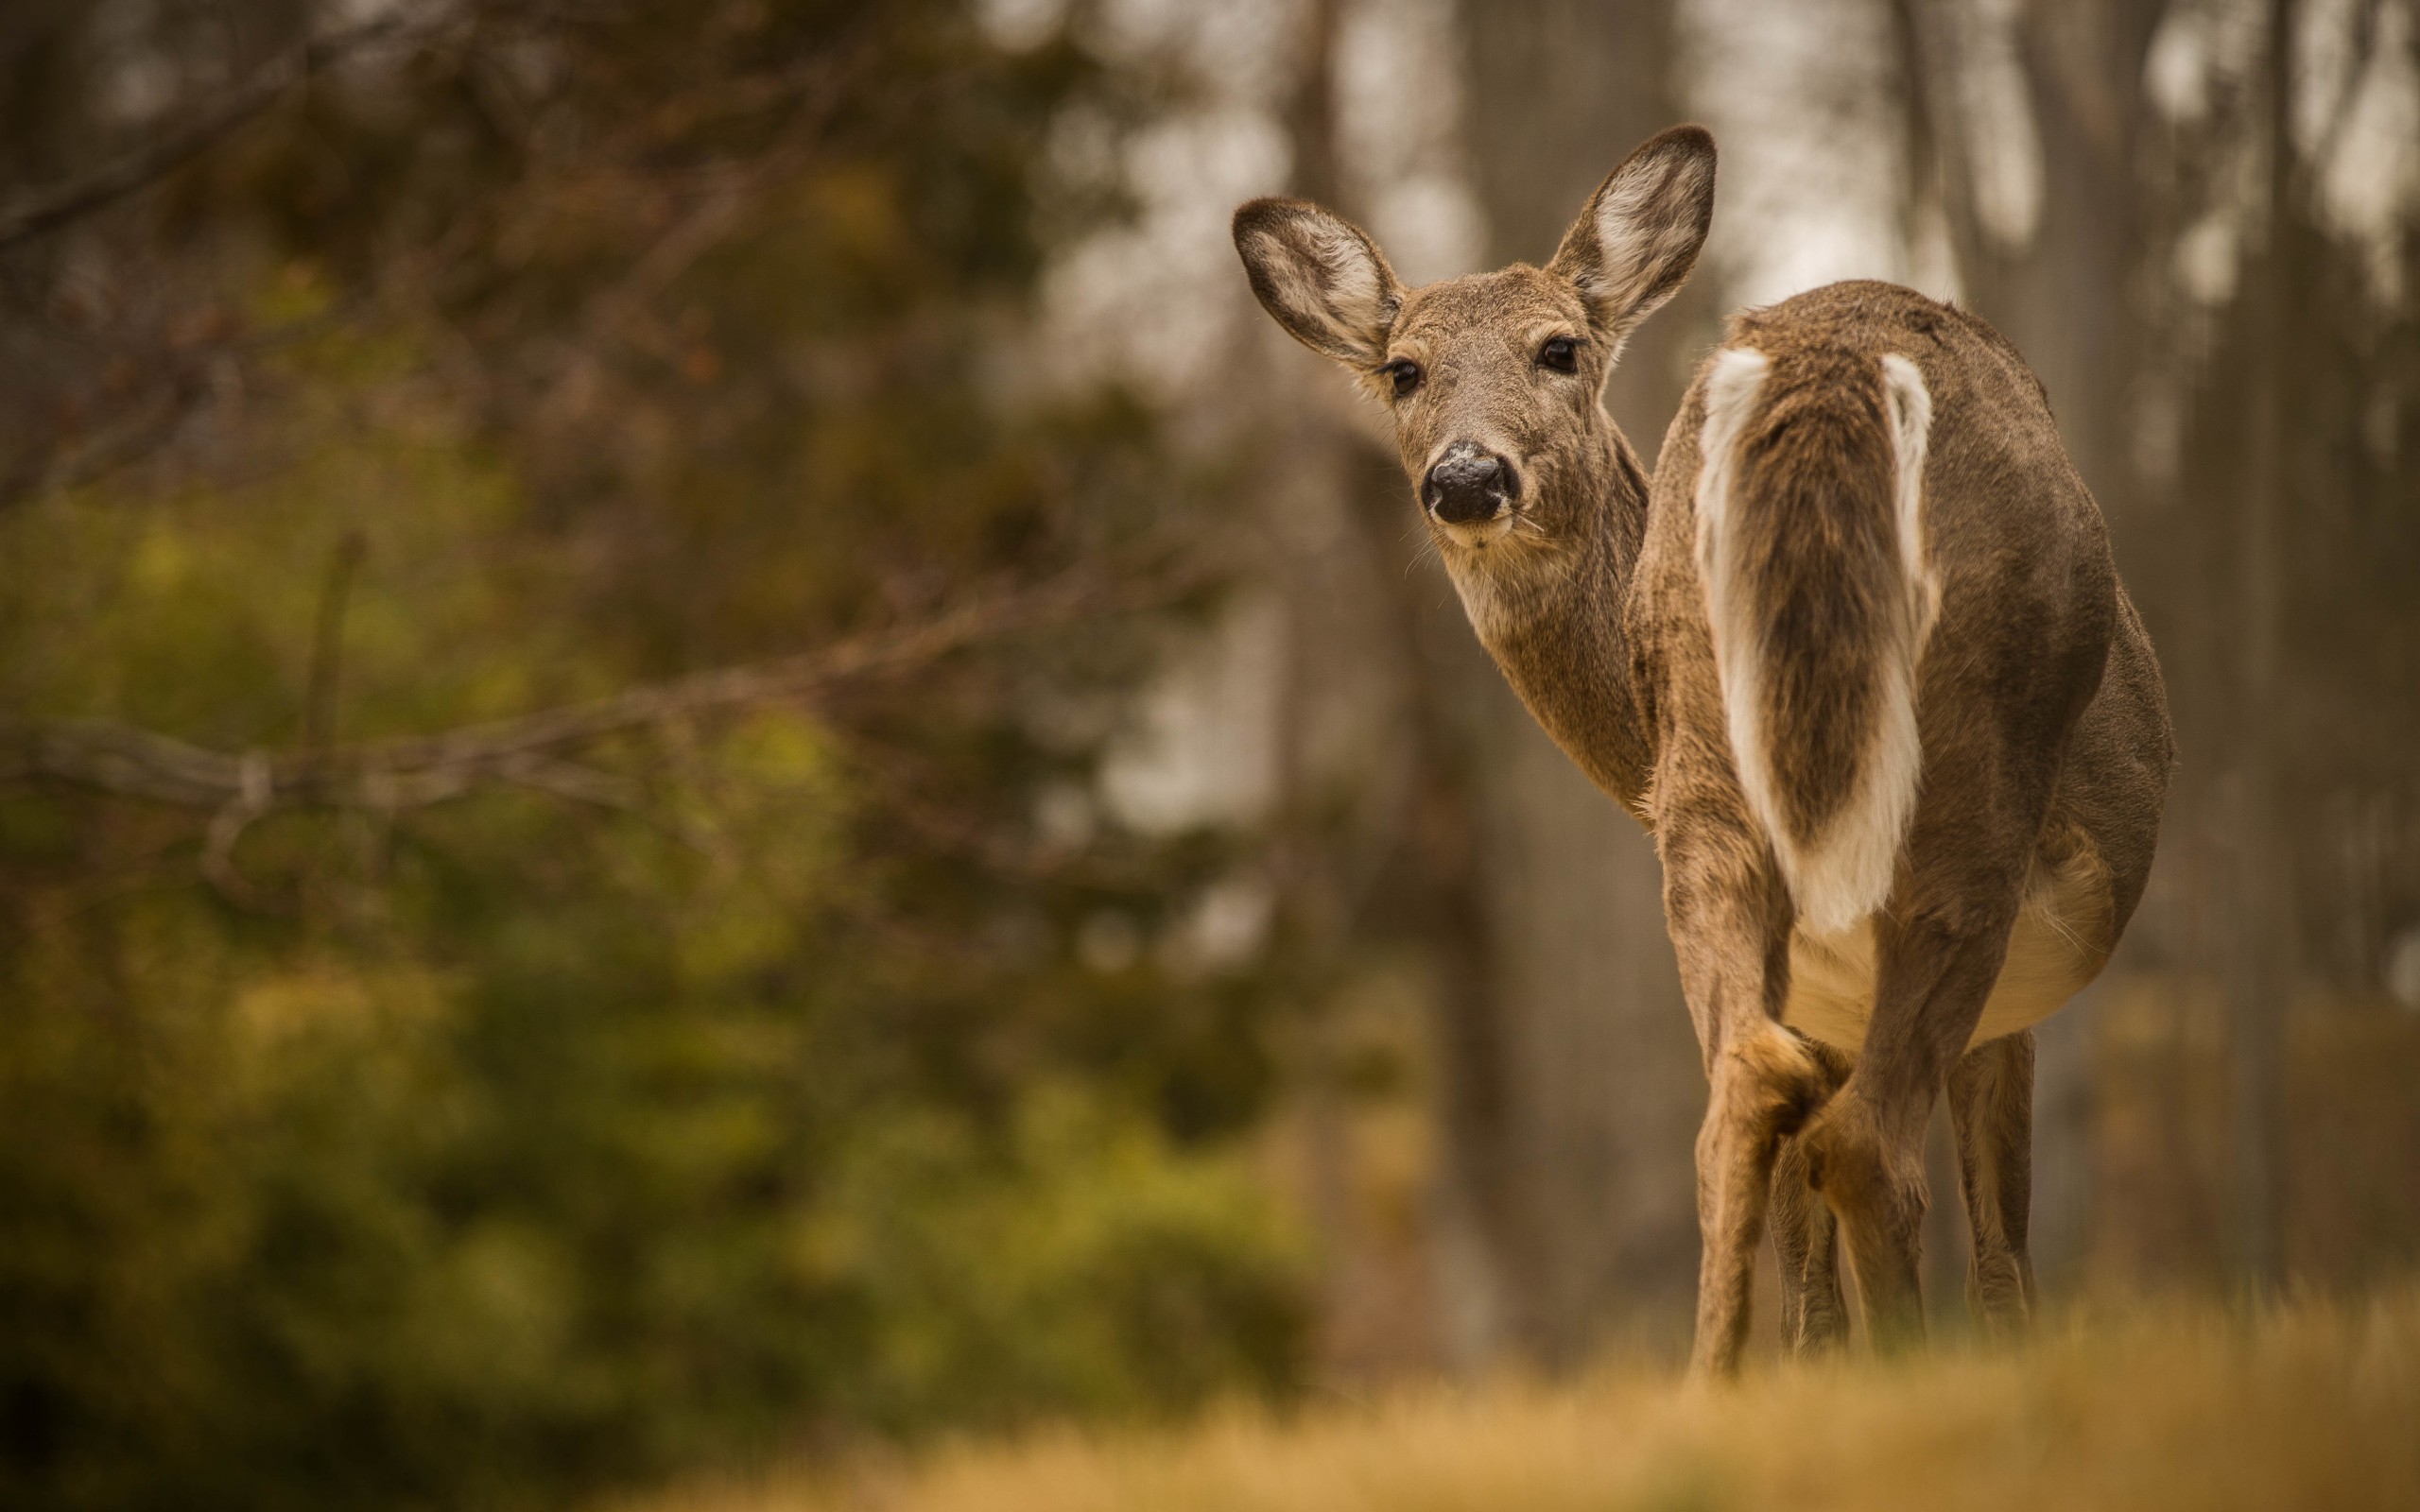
(1467, 486)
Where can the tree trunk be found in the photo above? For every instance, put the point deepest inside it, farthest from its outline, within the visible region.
(1603, 1088)
(1406, 873)
(2257, 984)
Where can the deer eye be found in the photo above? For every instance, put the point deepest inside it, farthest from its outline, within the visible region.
(1562, 353)
(1404, 375)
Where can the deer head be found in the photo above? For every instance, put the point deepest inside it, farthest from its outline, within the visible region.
(1493, 380)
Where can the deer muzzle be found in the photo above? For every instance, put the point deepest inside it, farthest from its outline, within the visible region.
(1469, 486)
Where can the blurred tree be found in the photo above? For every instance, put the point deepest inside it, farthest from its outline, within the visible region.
(1604, 1087)
(456, 1050)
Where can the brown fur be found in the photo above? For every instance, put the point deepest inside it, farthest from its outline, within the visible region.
(1821, 567)
(2045, 743)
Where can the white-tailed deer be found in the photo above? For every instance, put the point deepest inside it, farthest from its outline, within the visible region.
(1860, 660)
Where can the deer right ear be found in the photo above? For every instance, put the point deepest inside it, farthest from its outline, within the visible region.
(1320, 277)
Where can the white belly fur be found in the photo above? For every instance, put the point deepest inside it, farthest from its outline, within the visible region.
(2054, 950)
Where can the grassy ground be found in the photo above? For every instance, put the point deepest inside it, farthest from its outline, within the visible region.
(2315, 1405)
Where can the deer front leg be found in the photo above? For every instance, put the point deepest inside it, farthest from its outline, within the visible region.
(1990, 1107)
(1814, 1316)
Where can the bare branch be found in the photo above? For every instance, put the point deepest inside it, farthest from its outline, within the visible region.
(49, 208)
(529, 751)
(227, 826)
(327, 642)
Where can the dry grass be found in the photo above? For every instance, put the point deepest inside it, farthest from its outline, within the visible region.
(2312, 1406)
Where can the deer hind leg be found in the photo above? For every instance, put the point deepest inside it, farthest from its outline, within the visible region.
(1865, 1148)
(1730, 925)
(1762, 1081)
(1814, 1315)
(1990, 1106)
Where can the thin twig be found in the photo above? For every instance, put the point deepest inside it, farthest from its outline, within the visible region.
(528, 751)
(327, 642)
(255, 792)
(49, 208)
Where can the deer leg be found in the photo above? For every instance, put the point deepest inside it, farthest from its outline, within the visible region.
(1990, 1106)
(1814, 1316)
(1762, 1080)
(1730, 925)
(1805, 1243)
(1865, 1148)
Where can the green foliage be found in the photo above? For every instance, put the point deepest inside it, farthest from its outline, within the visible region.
(477, 1154)
(567, 1196)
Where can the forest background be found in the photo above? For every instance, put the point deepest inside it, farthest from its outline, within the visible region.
(706, 753)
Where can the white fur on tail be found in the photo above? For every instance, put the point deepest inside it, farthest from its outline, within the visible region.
(1843, 874)
(1910, 404)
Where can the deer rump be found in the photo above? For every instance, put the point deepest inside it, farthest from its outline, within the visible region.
(1810, 545)
(1819, 597)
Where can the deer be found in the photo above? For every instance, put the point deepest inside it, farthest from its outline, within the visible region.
(1858, 657)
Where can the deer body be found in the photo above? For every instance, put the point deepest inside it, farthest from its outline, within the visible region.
(1857, 657)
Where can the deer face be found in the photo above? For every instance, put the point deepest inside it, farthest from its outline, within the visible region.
(1493, 380)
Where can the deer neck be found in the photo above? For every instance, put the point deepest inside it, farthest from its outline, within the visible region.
(1550, 610)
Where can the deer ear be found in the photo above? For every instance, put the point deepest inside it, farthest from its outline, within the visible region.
(1321, 277)
(1634, 246)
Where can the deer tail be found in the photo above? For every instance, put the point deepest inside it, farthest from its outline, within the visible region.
(1810, 543)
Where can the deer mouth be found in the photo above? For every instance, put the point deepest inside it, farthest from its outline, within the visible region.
(1480, 535)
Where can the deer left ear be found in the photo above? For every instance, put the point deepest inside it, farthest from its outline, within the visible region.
(1634, 245)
